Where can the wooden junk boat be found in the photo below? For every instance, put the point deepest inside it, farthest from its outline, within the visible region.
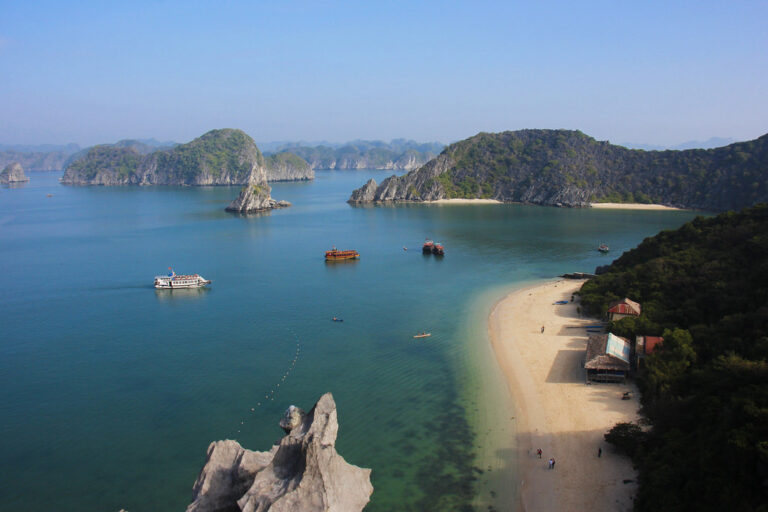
(340, 255)
(427, 247)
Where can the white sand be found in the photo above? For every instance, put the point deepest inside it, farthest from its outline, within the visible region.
(464, 201)
(632, 206)
(555, 410)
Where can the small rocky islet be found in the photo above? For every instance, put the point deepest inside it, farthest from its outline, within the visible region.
(13, 173)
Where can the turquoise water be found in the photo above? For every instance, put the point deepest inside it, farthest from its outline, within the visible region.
(112, 391)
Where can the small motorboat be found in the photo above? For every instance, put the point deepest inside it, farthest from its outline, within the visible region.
(423, 335)
(337, 319)
(603, 248)
(427, 247)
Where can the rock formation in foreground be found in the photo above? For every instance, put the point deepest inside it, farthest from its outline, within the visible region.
(219, 157)
(569, 168)
(303, 473)
(13, 173)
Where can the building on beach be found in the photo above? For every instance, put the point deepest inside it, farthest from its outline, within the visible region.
(607, 358)
(645, 345)
(623, 308)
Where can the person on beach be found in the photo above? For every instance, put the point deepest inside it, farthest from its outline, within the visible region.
(600, 452)
(542, 329)
(538, 452)
(551, 463)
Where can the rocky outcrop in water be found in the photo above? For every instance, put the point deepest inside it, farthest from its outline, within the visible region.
(569, 168)
(302, 473)
(219, 157)
(255, 198)
(13, 173)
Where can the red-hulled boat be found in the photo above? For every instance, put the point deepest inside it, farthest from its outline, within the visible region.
(427, 247)
(339, 255)
(438, 249)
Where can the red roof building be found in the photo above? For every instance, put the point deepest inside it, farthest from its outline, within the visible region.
(624, 308)
(645, 345)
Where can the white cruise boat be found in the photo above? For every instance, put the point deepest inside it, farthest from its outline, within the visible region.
(173, 281)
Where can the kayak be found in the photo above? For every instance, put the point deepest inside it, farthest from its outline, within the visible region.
(423, 335)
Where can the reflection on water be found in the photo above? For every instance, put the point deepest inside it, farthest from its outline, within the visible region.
(180, 293)
(15, 184)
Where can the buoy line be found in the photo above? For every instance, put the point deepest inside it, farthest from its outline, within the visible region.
(270, 396)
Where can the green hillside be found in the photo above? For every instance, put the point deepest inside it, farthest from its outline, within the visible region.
(704, 287)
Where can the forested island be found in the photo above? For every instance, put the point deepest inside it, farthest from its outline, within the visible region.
(569, 168)
(362, 154)
(219, 157)
(703, 444)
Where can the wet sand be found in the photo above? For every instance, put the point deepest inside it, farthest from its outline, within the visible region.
(555, 410)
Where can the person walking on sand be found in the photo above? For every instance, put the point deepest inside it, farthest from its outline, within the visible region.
(600, 452)
(538, 452)
(542, 329)
(551, 463)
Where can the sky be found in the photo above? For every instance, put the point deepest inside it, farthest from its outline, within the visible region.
(625, 71)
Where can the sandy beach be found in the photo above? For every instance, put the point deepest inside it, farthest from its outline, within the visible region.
(464, 201)
(555, 410)
(632, 206)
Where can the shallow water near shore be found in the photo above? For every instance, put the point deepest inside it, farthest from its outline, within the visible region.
(113, 390)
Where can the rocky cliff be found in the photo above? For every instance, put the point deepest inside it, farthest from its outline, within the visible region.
(255, 198)
(219, 157)
(13, 173)
(568, 168)
(288, 167)
(302, 473)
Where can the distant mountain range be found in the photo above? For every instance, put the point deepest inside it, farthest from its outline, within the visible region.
(51, 157)
(364, 154)
(569, 168)
(712, 142)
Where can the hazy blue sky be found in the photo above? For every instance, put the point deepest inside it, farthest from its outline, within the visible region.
(641, 71)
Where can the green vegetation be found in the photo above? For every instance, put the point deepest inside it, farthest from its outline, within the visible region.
(570, 168)
(121, 161)
(218, 157)
(288, 159)
(704, 287)
(217, 152)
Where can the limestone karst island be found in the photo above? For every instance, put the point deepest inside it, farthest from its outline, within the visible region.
(384, 256)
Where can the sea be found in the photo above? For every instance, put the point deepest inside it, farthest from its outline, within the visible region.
(112, 391)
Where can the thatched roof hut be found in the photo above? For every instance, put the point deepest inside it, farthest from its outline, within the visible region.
(607, 358)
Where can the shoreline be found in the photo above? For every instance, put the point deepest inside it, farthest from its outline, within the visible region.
(463, 201)
(554, 409)
(631, 206)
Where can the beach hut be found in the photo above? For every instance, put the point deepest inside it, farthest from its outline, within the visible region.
(607, 358)
(645, 345)
(623, 308)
